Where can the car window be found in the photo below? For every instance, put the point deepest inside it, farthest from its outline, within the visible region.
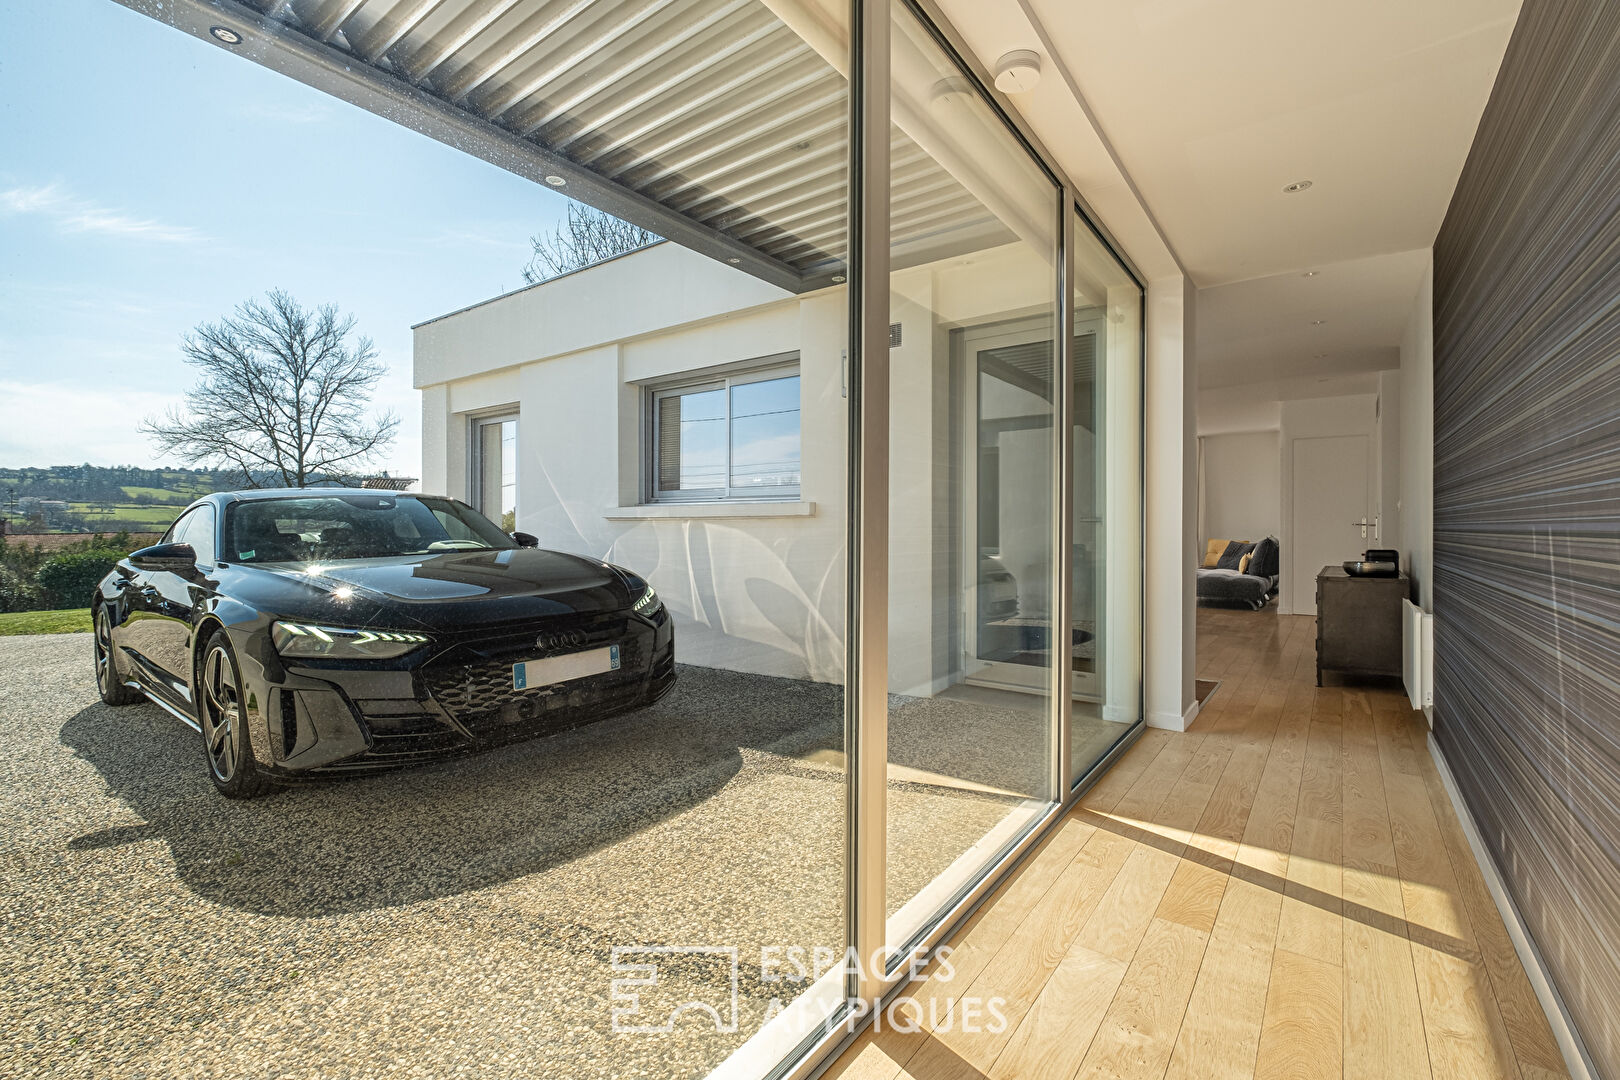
(327, 528)
(200, 534)
(197, 529)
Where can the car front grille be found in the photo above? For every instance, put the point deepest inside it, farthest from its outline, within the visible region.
(472, 682)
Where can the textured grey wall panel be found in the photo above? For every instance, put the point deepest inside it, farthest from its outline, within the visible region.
(1527, 494)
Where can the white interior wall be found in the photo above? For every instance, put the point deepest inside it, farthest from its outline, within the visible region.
(1172, 502)
(1242, 495)
(1389, 460)
(1416, 504)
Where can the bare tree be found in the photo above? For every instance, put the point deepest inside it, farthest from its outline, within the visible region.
(586, 235)
(285, 392)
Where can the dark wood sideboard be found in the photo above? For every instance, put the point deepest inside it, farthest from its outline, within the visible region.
(1358, 623)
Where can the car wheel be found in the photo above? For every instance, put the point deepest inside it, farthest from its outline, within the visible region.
(224, 726)
(108, 681)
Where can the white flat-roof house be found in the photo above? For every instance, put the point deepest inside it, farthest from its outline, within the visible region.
(681, 417)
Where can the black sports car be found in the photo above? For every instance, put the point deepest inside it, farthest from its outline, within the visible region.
(328, 629)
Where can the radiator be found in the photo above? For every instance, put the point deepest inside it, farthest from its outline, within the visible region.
(1417, 666)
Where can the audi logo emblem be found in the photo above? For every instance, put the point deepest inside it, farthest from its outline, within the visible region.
(560, 639)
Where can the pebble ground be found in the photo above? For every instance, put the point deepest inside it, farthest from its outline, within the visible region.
(447, 921)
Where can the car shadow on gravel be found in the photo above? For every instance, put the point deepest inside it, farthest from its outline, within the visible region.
(379, 841)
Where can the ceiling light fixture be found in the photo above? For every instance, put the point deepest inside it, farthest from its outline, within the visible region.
(1296, 187)
(225, 34)
(1318, 322)
(556, 181)
(1310, 273)
(1320, 356)
(838, 279)
(1018, 71)
(733, 260)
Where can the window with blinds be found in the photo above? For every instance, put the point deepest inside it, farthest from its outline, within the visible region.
(726, 437)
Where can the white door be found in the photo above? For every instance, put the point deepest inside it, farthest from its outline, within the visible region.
(1331, 498)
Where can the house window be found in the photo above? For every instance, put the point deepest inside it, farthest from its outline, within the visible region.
(728, 436)
(494, 469)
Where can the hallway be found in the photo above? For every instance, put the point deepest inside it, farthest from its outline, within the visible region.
(1282, 891)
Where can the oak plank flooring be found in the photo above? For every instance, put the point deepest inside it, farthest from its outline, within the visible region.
(1282, 891)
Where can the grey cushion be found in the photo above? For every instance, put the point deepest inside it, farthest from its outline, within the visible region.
(1267, 561)
(1233, 555)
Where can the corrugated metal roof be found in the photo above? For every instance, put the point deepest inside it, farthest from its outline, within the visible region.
(712, 122)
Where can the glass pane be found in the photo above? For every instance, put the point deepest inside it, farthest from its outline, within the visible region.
(497, 472)
(692, 441)
(973, 449)
(1107, 435)
(765, 435)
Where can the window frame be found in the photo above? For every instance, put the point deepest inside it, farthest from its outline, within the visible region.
(761, 369)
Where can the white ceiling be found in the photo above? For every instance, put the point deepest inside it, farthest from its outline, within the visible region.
(1211, 106)
(1265, 329)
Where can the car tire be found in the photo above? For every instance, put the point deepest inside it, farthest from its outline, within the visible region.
(109, 683)
(227, 749)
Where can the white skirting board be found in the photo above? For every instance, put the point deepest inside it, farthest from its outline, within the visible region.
(1169, 721)
(1569, 1041)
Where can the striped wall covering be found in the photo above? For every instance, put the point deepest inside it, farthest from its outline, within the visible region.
(1527, 494)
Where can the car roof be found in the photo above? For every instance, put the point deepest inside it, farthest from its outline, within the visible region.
(314, 492)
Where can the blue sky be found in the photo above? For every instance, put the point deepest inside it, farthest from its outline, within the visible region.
(150, 181)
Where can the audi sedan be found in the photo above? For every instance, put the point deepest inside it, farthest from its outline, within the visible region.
(330, 630)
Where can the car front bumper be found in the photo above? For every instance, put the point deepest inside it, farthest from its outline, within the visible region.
(454, 697)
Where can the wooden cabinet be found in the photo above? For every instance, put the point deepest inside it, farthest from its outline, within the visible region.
(1358, 623)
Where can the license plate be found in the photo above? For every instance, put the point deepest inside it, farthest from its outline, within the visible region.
(559, 669)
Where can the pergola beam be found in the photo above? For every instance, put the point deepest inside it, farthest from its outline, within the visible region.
(325, 67)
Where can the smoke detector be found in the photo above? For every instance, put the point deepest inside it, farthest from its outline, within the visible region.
(1018, 71)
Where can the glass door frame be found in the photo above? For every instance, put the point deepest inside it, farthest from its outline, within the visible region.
(881, 972)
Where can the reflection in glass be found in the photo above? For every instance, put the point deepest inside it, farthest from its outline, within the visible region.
(497, 471)
(692, 440)
(765, 436)
(973, 452)
(1107, 438)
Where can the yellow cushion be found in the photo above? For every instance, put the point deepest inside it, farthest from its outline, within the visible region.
(1213, 552)
(1243, 563)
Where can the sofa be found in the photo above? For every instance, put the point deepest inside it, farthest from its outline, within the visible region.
(1240, 572)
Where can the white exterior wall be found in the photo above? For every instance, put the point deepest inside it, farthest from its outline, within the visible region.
(757, 587)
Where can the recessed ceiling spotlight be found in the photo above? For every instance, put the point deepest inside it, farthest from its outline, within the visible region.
(1296, 187)
(1018, 71)
(1310, 273)
(838, 279)
(1320, 356)
(733, 260)
(556, 181)
(1318, 322)
(225, 34)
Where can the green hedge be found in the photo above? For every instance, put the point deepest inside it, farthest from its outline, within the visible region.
(70, 579)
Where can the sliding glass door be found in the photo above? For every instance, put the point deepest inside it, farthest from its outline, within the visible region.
(973, 463)
(1106, 549)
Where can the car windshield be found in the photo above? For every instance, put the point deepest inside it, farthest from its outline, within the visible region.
(327, 528)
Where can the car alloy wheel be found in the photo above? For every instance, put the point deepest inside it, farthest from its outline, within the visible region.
(104, 672)
(221, 713)
(109, 684)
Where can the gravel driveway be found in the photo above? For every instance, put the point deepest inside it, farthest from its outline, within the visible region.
(447, 920)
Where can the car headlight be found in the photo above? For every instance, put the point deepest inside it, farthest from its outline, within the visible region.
(339, 643)
(648, 604)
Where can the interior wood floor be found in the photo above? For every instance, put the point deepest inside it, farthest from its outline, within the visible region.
(1281, 891)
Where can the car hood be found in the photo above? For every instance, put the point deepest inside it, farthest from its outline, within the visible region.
(444, 590)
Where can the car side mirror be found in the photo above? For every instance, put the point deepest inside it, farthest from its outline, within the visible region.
(526, 539)
(173, 557)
